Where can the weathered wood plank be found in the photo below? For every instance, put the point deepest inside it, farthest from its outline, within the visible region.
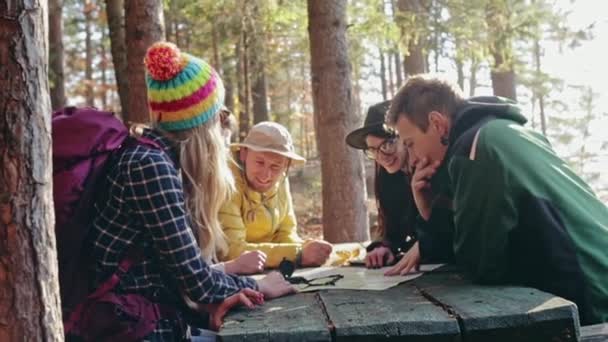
(594, 333)
(502, 313)
(399, 313)
(293, 318)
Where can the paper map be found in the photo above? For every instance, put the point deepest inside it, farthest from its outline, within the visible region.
(356, 277)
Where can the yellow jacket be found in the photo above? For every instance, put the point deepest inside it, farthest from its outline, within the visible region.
(260, 221)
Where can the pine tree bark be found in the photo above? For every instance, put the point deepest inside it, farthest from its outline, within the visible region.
(228, 78)
(473, 76)
(88, 72)
(459, 71)
(503, 78)
(345, 215)
(398, 71)
(243, 85)
(169, 19)
(118, 46)
(414, 61)
(503, 72)
(383, 81)
(259, 93)
(56, 57)
(258, 67)
(144, 26)
(391, 74)
(103, 66)
(29, 287)
(540, 95)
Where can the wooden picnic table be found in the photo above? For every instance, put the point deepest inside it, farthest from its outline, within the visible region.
(439, 306)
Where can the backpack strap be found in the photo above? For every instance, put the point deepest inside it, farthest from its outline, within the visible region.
(133, 256)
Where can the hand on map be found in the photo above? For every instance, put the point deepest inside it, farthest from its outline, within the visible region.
(379, 257)
(249, 262)
(315, 253)
(274, 285)
(410, 260)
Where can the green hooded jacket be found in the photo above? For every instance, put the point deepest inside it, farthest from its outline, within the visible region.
(521, 215)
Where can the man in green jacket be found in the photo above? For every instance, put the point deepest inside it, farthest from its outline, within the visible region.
(521, 215)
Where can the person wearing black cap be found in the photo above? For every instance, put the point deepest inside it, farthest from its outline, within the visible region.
(398, 217)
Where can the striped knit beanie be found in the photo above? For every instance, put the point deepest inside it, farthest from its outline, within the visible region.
(183, 91)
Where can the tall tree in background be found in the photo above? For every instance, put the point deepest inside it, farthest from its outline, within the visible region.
(243, 84)
(144, 26)
(56, 74)
(29, 287)
(103, 67)
(258, 64)
(499, 20)
(546, 25)
(344, 205)
(89, 8)
(116, 24)
(412, 18)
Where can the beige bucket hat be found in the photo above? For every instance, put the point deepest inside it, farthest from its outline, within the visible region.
(267, 136)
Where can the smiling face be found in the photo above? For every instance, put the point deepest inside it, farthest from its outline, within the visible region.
(263, 169)
(391, 162)
(420, 144)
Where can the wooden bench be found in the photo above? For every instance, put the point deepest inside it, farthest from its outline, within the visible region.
(594, 333)
(440, 306)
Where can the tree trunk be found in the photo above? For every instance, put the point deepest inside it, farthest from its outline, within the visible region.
(391, 74)
(258, 66)
(88, 73)
(460, 72)
(473, 79)
(304, 74)
(540, 95)
(344, 193)
(29, 287)
(144, 26)
(503, 81)
(414, 60)
(437, 31)
(116, 24)
(56, 74)
(228, 78)
(169, 19)
(398, 72)
(103, 66)
(217, 63)
(503, 73)
(243, 86)
(258, 93)
(383, 76)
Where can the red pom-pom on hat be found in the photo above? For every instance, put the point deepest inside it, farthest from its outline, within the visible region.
(163, 61)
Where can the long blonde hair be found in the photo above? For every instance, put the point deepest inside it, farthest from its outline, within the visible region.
(208, 183)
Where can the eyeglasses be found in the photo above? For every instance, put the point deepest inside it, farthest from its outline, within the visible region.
(287, 267)
(387, 148)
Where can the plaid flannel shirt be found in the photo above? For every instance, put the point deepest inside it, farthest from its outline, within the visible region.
(145, 208)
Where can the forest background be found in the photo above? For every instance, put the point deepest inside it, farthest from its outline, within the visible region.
(314, 66)
(548, 55)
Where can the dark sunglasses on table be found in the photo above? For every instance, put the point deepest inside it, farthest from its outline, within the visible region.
(387, 148)
(287, 268)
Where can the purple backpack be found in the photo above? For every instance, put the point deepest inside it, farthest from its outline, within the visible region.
(84, 141)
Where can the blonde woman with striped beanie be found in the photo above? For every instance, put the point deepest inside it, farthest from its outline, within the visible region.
(163, 199)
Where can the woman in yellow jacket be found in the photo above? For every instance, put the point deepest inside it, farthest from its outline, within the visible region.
(259, 218)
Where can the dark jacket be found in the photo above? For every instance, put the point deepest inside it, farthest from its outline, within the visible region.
(401, 224)
(521, 214)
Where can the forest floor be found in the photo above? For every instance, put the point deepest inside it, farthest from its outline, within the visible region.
(306, 192)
